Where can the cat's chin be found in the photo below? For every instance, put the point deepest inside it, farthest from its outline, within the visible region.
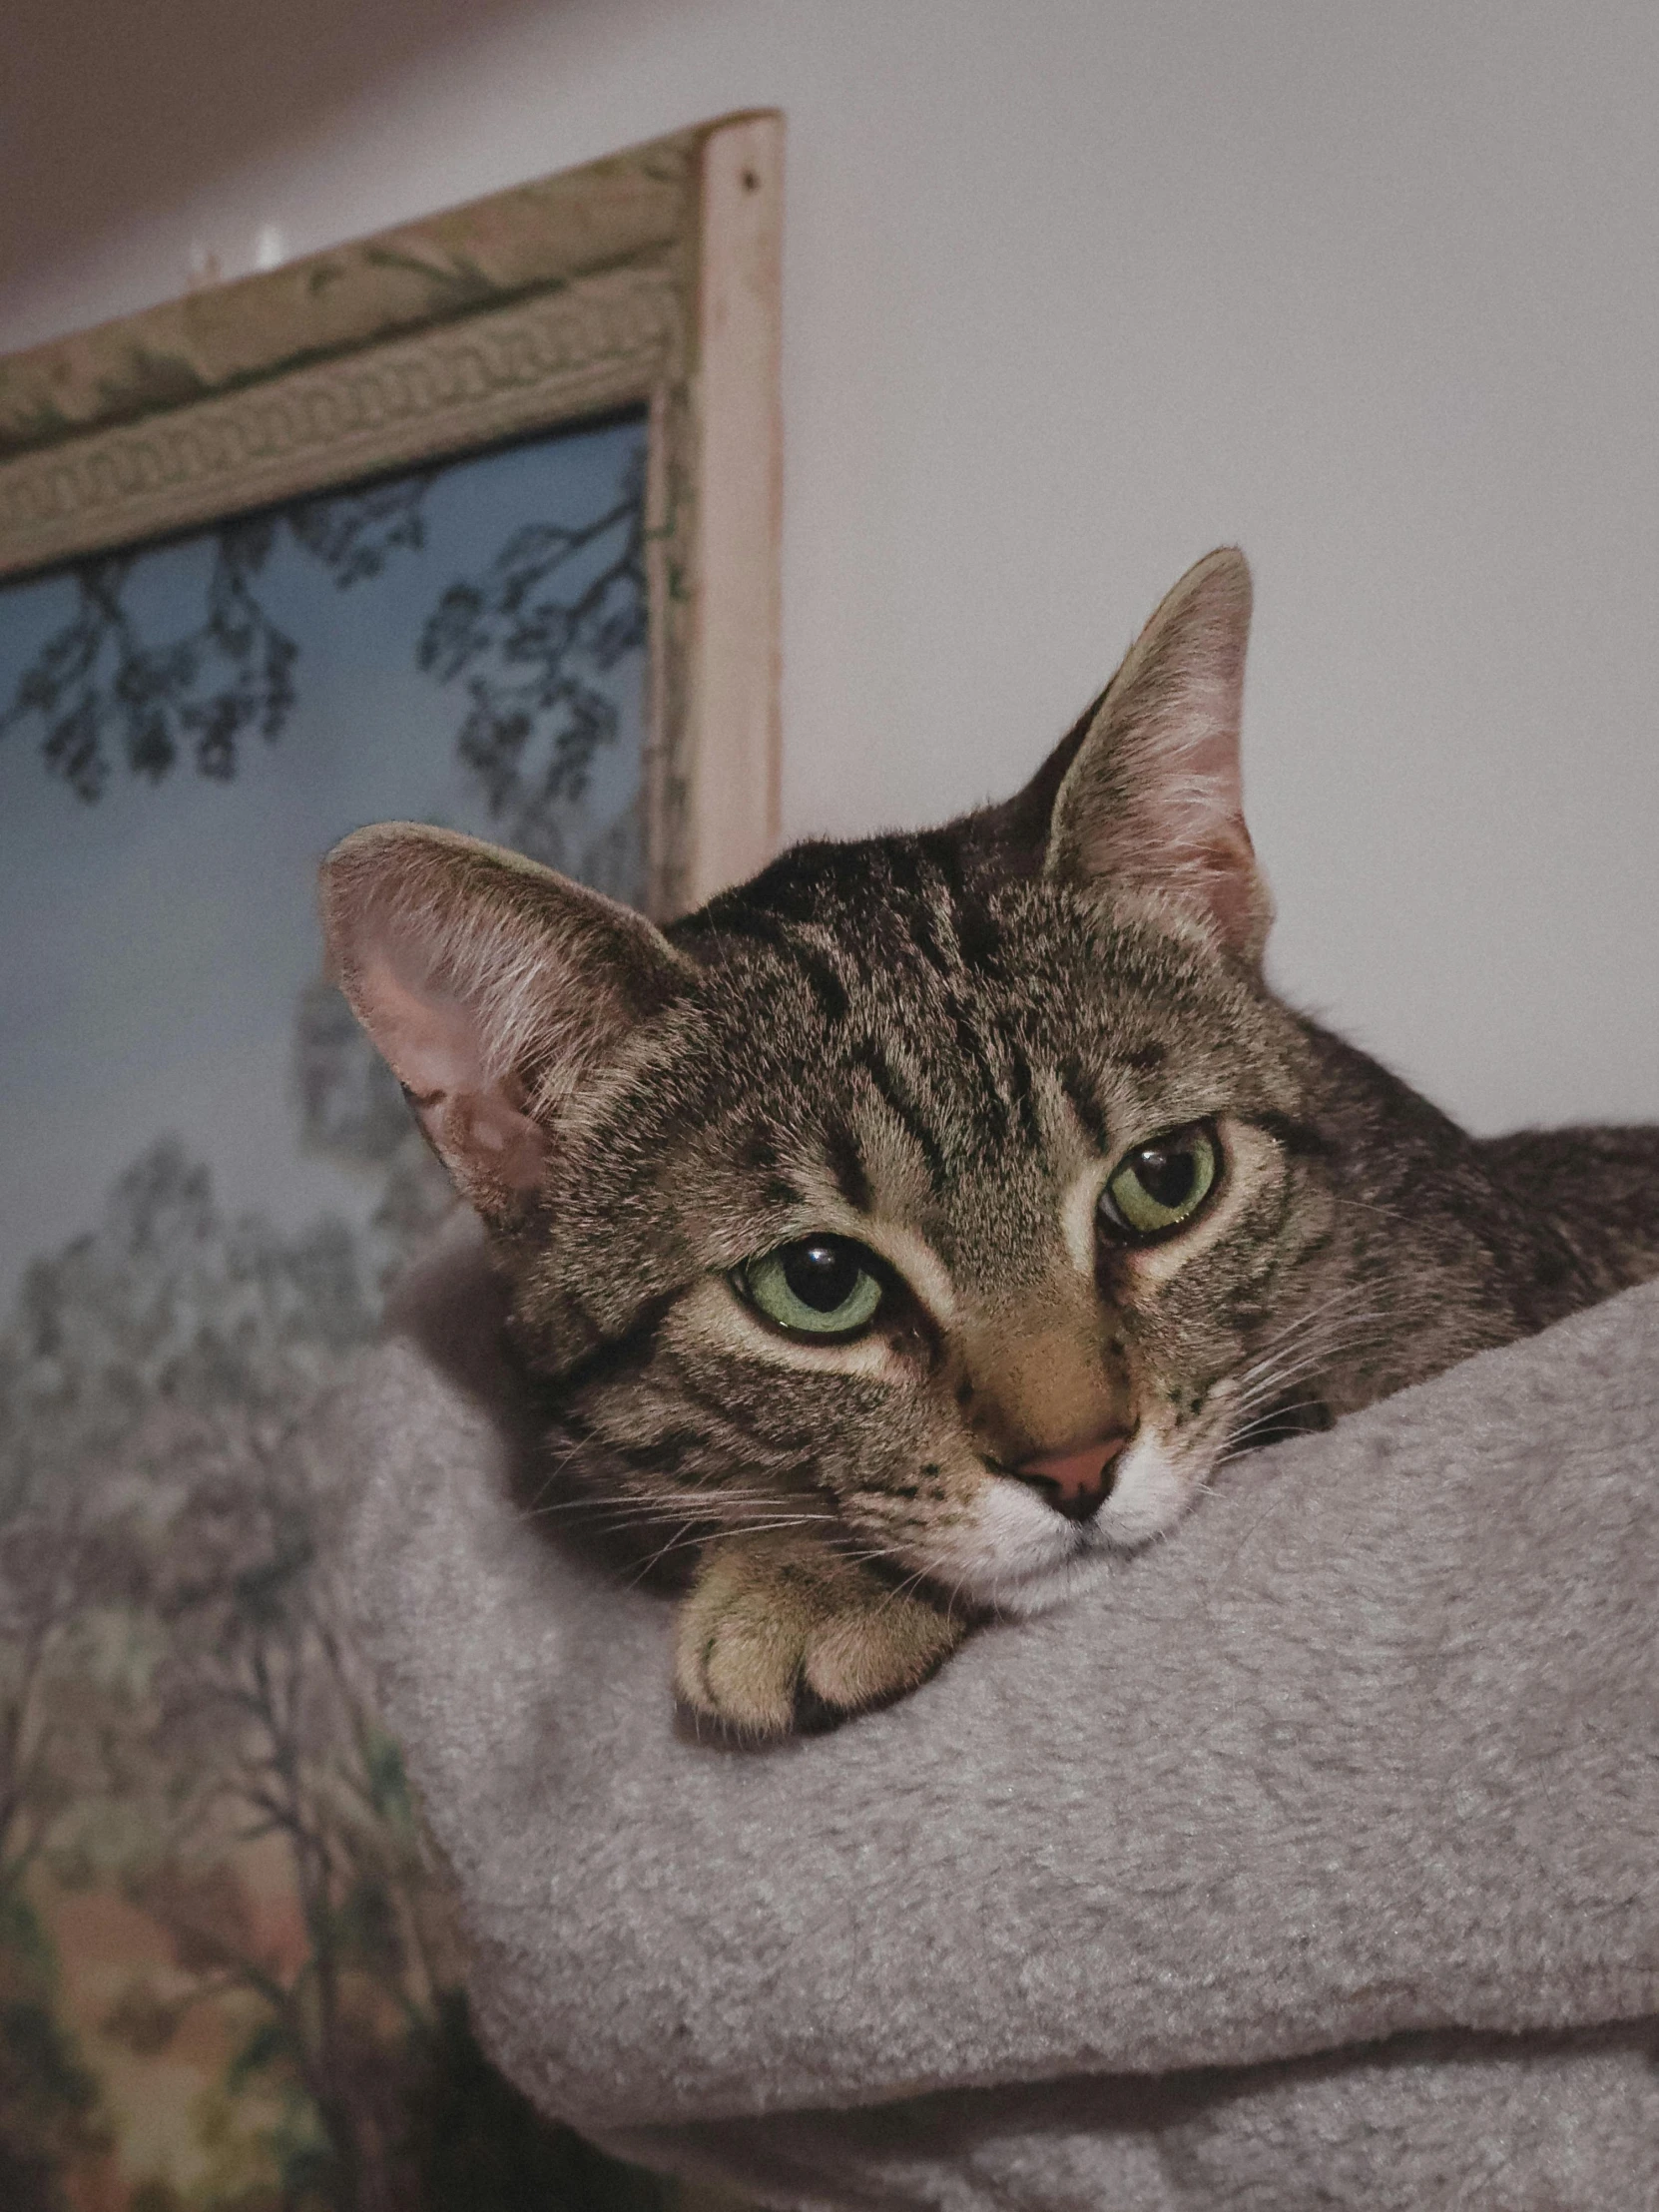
(1022, 1597)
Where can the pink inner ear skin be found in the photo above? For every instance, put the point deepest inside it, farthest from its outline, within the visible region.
(468, 965)
(1228, 867)
(509, 1143)
(430, 1040)
(1214, 760)
(436, 1047)
(1153, 797)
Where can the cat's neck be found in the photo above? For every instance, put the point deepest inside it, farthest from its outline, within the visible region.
(1580, 1209)
(1451, 1244)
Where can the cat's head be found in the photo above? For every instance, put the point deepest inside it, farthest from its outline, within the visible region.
(943, 1190)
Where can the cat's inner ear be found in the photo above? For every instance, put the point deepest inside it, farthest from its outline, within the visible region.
(1152, 798)
(492, 988)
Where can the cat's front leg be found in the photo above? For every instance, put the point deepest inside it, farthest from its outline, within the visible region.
(779, 1628)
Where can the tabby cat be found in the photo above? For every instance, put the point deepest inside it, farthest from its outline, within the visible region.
(912, 1230)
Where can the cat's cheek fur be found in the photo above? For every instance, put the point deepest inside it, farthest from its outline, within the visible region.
(1153, 1487)
(1009, 1552)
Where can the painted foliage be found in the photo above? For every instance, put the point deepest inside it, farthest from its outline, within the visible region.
(226, 1978)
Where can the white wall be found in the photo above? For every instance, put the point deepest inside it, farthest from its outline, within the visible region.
(1073, 293)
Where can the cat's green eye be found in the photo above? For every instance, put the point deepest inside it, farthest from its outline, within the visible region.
(1162, 1183)
(823, 1287)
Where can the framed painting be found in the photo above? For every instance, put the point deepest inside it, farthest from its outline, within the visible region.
(473, 522)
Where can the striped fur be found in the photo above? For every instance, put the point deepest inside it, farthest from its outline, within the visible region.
(939, 1044)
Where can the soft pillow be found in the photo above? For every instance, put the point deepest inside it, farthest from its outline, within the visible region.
(1307, 1860)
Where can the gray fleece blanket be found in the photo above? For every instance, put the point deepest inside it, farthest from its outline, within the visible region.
(1309, 1861)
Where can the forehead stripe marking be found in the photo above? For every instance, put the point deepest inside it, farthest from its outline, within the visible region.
(1084, 1105)
(827, 983)
(1023, 1083)
(906, 1115)
(976, 1052)
(1003, 1073)
(811, 959)
(846, 1168)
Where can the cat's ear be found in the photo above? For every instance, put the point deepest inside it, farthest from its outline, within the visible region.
(492, 988)
(1152, 798)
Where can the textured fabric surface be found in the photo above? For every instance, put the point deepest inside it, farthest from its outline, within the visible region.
(1118, 1908)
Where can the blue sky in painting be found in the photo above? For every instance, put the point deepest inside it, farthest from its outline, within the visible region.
(155, 941)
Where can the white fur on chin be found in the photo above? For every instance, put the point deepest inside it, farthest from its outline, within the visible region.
(1022, 1558)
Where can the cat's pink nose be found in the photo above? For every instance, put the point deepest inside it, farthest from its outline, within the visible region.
(1078, 1480)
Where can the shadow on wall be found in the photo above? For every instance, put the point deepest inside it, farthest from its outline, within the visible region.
(155, 102)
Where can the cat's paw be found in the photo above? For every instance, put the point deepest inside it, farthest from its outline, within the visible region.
(778, 1630)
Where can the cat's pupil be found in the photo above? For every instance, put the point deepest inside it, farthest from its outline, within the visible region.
(1166, 1174)
(823, 1274)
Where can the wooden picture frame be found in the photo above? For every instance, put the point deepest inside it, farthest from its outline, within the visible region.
(261, 478)
(649, 279)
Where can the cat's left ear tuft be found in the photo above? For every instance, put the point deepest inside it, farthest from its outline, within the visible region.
(1152, 801)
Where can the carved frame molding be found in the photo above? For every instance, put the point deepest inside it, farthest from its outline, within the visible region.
(649, 279)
